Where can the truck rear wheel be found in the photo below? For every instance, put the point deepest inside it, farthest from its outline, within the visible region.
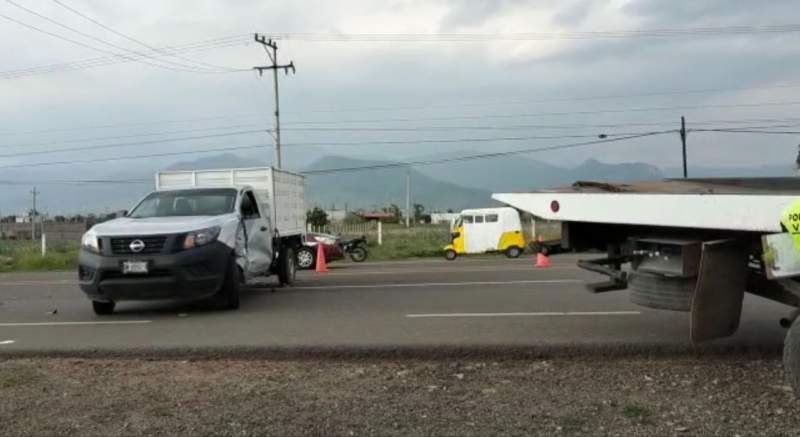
(663, 292)
(791, 356)
(287, 267)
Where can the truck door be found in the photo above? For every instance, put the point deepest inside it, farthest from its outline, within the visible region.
(258, 234)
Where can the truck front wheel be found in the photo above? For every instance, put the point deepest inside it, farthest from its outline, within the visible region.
(791, 356)
(103, 308)
(228, 295)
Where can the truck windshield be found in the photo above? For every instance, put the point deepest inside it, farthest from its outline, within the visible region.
(184, 203)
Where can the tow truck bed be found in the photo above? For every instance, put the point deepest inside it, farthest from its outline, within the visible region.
(750, 205)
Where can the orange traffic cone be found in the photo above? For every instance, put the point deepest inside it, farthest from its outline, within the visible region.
(542, 261)
(322, 266)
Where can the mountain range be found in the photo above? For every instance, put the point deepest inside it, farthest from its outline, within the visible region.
(456, 185)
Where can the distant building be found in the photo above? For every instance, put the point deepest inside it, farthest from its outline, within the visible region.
(443, 217)
(22, 219)
(378, 216)
(336, 215)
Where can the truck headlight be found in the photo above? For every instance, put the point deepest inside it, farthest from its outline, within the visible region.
(201, 237)
(90, 242)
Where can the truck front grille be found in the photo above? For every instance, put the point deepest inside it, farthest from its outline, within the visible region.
(152, 245)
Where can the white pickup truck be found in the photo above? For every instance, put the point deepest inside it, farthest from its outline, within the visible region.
(694, 245)
(200, 234)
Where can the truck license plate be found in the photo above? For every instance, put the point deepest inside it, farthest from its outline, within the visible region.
(135, 267)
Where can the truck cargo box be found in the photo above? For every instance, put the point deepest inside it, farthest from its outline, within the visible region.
(282, 191)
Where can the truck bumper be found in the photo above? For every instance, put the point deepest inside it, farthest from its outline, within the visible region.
(191, 274)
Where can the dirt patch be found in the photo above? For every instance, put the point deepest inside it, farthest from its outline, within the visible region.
(651, 396)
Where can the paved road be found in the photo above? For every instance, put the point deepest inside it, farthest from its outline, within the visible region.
(467, 303)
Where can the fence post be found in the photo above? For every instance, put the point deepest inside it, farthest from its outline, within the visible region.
(380, 233)
(44, 244)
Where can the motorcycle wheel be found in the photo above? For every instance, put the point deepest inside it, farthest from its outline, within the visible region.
(358, 254)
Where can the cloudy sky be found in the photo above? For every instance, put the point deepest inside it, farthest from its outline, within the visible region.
(405, 88)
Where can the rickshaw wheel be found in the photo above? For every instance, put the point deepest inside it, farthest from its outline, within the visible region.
(513, 252)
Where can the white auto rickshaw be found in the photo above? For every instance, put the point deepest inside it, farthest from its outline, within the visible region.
(486, 230)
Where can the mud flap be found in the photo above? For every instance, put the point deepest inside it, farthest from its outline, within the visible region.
(717, 301)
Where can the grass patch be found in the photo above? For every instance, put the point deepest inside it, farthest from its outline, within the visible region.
(22, 256)
(15, 376)
(402, 243)
(636, 412)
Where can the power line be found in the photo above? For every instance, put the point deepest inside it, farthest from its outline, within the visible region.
(483, 155)
(441, 141)
(129, 124)
(370, 129)
(116, 59)
(553, 100)
(129, 38)
(92, 37)
(138, 58)
(531, 36)
(139, 135)
(550, 114)
(747, 131)
(123, 158)
(78, 182)
(124, 56)
(133, 143)
(304, 126)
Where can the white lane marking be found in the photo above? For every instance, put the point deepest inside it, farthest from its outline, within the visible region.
(43, 282)
(441, 284)
(6, 342)
(539, 314)
(359, 272)
(118, 322)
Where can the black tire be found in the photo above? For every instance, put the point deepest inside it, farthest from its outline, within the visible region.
(450, 254)
(662, 292)
(287, 267)
(358, 254)
(228, 294)
(306, 258)
(103, 308)
(791, 356)
(513, 252)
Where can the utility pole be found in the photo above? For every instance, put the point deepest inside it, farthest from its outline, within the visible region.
(683, 141)
(272, 52)
(33, 215)
(408, 197)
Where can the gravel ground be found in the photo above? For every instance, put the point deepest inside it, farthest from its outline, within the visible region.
(592, 395)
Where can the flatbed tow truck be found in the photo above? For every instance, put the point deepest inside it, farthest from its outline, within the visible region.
(694, 245)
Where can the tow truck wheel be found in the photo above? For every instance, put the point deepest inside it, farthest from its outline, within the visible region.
(791, 356)
(661, 291)
(228, 295)
(103, 308)
(287, 268)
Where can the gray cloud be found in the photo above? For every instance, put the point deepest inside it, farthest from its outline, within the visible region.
(346, 81)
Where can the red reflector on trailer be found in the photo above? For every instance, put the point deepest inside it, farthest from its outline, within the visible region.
(554, 206)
